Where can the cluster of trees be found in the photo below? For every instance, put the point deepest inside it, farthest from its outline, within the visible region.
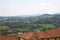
(31, 23)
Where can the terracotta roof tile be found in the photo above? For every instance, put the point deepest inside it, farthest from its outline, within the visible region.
(8, 38)
(53, 32)
(27, 35)
(42, 35)
(38, 35)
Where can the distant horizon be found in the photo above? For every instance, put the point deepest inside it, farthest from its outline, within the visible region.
(31, 14)
(28, 7)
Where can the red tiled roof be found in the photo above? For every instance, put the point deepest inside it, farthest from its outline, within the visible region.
(38, 35)
(27, 35)
(33, 35)
(53, 32)
(8, 38)
(42, 35)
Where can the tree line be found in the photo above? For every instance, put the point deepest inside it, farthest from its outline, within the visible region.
(30, 23)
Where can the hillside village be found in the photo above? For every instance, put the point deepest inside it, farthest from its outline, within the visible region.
(29, 19)
(53, 34)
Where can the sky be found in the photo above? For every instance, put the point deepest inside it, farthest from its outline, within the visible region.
(28, 7)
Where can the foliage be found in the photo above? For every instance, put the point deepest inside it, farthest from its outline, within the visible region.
(31, 23)
(4, 27)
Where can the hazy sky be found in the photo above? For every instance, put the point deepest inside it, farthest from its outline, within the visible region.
(28, 7)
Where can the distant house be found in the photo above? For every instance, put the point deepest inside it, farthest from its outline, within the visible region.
(8, 33)
(53, 34)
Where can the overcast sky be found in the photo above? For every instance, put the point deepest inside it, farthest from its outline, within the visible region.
(28, 7)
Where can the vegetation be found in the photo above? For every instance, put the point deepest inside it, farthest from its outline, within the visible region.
(31, 23)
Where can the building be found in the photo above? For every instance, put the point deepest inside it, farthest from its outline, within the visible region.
(9, 37)
(53, 34)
